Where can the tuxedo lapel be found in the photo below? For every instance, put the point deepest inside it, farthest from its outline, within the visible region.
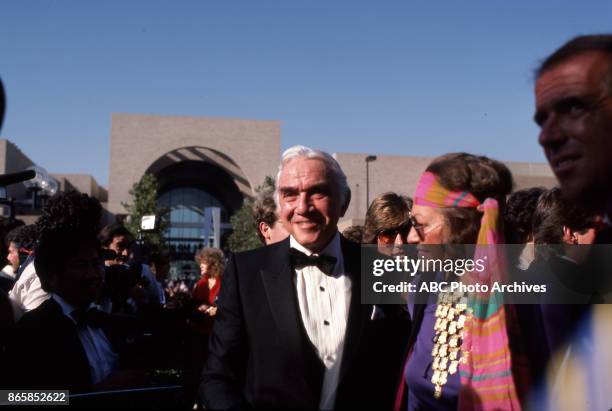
(278, 283)
(66, 344)
(281, 296)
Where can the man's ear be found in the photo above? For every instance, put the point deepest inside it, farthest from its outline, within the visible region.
(264, 229)
(568, 236)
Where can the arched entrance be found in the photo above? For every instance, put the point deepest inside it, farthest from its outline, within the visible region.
(202, 188)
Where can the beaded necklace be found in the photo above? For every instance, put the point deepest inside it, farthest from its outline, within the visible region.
(451, 314)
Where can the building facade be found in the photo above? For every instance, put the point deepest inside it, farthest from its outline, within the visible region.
(206, 167)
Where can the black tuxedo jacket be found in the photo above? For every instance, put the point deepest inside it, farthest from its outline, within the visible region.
(260, 355)
(45, 351)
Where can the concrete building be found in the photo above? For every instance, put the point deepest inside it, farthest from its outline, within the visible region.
(20, 199)
(205, 168)
(215, 163)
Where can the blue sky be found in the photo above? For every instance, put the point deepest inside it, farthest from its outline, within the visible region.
(384, 77)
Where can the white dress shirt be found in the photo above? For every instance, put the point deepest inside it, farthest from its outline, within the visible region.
(324, 302)
(100, 356)
(27, 291)
(8, 271)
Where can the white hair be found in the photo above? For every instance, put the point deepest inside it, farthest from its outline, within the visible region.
(330, 162)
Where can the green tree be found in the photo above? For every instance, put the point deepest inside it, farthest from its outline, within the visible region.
(144, 202)
(244, 235)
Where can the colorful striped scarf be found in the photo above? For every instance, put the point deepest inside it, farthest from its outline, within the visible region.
(486, 368)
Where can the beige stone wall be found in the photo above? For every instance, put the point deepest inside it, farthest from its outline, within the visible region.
(83, 183)
(137, 141)
(387, 173)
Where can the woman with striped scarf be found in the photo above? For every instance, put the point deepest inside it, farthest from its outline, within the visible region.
(459, 355)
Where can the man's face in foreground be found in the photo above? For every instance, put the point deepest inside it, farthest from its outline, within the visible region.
(574, 112)
(310, 202)
(81, 280)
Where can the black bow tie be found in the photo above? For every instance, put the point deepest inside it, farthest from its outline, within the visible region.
(325, 263)
(91, 317)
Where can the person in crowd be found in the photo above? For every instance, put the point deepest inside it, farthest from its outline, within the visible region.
(130, 285)
(9, 271)
(212, 263)
(204, 306)
(21, 242)
(518, 223)
(573, 108)
(574, 113)
(563, 232)
(556, 220)
(65, 343)
(459, 356)
(118, 239)
(269, 229)
(290, 330)
(160, 267)
(388, 222)
(387, 225)
(27, 292)
(354, 233)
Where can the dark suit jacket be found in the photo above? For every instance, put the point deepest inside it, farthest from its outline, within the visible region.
(45, 351)
(260, 355)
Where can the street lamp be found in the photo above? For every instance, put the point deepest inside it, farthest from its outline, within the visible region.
(368, 160)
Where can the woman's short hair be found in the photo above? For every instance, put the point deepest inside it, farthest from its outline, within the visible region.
(214, 258)
(388, 210)
(482, 177)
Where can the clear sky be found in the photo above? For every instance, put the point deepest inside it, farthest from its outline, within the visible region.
(382, 77)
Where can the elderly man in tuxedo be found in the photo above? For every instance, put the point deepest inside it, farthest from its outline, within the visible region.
(290, 330)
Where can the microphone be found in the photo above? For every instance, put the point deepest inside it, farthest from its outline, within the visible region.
(14, 178)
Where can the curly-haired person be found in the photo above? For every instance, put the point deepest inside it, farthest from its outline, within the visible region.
(65, 343)
(66, 211)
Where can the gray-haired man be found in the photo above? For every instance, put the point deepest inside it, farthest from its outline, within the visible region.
(290, 330)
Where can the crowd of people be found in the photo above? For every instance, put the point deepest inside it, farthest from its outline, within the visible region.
(284, 326)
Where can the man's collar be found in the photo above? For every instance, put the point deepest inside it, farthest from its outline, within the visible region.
(66, 307)
(333, 248)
